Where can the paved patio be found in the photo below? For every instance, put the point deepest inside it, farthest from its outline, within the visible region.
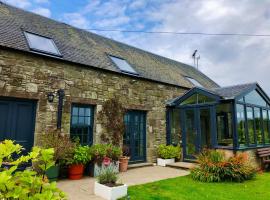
(84, 189)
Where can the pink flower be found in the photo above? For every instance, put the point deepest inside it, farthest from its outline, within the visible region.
(106, 161)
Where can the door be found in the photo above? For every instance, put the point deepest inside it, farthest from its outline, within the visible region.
(197, 128)
(17, 121)
(135, 135)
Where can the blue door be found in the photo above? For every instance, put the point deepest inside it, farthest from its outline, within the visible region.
(135, 135)
(198, 129)
(17, 121)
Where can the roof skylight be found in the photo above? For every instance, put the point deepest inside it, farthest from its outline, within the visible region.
(123, 65)
(194, 82)
(41, 44)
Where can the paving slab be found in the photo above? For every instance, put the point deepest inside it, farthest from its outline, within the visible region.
(84, 189)
(182, 165)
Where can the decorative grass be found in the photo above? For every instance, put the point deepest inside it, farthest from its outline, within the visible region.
(184, 188)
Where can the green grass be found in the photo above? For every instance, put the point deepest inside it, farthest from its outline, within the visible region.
(184, 188)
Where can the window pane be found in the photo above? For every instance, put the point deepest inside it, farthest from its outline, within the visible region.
(266, 127)
(224, 125)
(175, 126)
(254, 98)
(37, 42)
(257, 115)
(198, 99)
(241, 125)
(81, 126)
(250, 125)
(123, 65)
(194, 82)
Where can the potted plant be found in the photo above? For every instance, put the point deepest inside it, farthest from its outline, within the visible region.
(106, 185)
(101, 152)
(123, 160)
(63, 149)
(76, 164)
(167, 154)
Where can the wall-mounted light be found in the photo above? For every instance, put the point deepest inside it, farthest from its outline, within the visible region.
(50, 97)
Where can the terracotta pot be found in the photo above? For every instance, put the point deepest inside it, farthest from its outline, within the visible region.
(75, 172)
(123, 163)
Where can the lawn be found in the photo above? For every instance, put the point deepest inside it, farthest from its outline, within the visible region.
(184, 188)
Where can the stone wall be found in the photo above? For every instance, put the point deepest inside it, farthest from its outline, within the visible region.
(31, 76)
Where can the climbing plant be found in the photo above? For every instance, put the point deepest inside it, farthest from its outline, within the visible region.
(112, 117)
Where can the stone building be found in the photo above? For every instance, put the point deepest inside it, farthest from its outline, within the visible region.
(53, 75)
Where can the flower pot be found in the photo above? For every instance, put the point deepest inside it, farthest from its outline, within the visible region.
(110, 193)
(52, 173)
(75, 171)
(164, 162)
(123, 164)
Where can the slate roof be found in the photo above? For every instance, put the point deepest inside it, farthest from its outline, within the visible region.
(83, 47)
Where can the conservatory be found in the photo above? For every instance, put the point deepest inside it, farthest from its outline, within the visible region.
(235, 118)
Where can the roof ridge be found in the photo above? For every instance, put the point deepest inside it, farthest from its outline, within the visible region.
(241, 84)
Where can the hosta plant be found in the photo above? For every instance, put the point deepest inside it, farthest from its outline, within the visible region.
(168, 151)
(26, 184)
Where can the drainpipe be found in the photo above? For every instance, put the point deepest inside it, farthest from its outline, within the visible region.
(61, 95)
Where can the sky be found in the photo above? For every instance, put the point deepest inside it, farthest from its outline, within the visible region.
(228, 60)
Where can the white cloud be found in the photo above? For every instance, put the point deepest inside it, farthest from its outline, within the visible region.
(19, 3)
(76, 19)
(42, 11)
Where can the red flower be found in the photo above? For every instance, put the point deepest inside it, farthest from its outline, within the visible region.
(106, 161)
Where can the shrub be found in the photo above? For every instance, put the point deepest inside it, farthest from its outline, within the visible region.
(81, 155)
(99, 151)
(107, 176)
(167, 152)
(213, 167)
(62, 144)
(26, 184)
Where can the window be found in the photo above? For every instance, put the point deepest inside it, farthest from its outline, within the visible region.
(82, 123)
(224, 125)
(241, 124)
(174, 123)
(254, 98)
(41, 44)
(250, 126)
(123, 65)
(266, 126)
(197, 99)
(194, 82)
(258, 127)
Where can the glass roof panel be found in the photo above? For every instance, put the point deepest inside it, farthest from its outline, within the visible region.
(123, 65)
(198, 99)
(255, 98)
(42, 44)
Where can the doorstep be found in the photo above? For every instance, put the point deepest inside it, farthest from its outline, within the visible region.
(182, 165)
(138, 165)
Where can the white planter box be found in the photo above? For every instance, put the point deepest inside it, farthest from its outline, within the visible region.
(110, 193)
(164, 162)
(113, 166)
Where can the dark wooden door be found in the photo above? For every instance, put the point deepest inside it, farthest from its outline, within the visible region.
(135, 135)
(17, 121)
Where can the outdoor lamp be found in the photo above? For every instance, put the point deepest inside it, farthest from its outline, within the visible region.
(50, 97)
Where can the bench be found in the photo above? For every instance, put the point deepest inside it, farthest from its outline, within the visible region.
(264, 155)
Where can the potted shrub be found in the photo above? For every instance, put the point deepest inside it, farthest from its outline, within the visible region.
(123, 160)
(106, 185)
(167, 154)
(76, 164)
(101, 152)
(63, 148)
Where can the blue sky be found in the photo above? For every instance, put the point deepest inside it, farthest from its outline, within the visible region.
(227, 60)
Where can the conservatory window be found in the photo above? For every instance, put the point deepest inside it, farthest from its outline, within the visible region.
(250, 125)
(254, 98)
(258, 127)
(197, 99)
(175, 130)
(224, 125)
(266, 126)
(241, 124)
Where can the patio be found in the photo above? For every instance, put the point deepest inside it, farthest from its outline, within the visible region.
(84, 189)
